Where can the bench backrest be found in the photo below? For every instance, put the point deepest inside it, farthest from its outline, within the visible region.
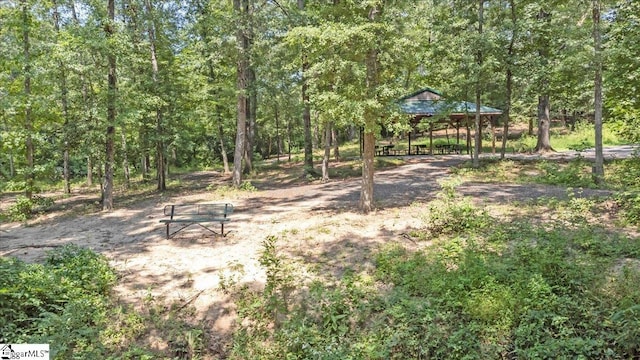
(214, 210)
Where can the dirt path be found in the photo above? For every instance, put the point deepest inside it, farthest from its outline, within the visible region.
(315, 224)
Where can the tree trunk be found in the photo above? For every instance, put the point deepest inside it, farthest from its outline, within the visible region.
(65, 108)
(28, 122)
(544, 124)
(223, 150)
(125, 161)
(107, 189)
(12, 167)
(306, 112)
(289, 139)
(251, 117)
(89, 171)
(478, 118)
(598, 170)
(161, 170)
(336, 147)
(371, 61)
(242, 74)
(278, 142)
(544, 104)
(509, 81)
(327, 151)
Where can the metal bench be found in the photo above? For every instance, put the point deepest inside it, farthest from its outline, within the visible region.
(197, 214)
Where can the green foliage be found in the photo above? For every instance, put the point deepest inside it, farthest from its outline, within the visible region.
(582, 137)
(629, 202)
(517, 289)
(24, 208)
(624, 176)
(245, 186)
(62, 302)
(451, 214)
(575, 174)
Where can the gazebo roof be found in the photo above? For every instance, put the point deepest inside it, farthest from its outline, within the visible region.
(429, 102)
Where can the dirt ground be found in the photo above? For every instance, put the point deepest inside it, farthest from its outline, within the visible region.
(317, 225)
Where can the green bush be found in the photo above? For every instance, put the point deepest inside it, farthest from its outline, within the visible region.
(62, 302)
(24, 208)
(577, 173)
(452, 214)
(519, 291)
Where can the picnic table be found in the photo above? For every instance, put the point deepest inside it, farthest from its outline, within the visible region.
(448, 148)
(197, 214)
(420, 149)
(386, 149)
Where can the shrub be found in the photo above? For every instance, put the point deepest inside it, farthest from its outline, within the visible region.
(629, 202)
(62, 302)
(577, 173)
(24, 207)
(452, 214)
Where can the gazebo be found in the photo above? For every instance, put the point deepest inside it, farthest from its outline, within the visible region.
(428, 103)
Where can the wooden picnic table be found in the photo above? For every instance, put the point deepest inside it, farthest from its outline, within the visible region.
(420, 149)
(448, 149)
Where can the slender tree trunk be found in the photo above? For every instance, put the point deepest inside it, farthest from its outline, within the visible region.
(544, 124)
(509, 80)
(251, 118)
(12, 168)
(125, 161)
(507, 113)
(371, 61)
(327, 152)
(289, 139)
(223, 150)
(478, 118)
(336, 147)
(242, 74)
(107, 189)
(544, 103)
(306, 112)
(28, 122)
(89, 171)
(65, 108)
(598, 170)
(161, 170)
(278, 142)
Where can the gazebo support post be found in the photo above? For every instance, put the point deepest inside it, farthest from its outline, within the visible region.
(468, 137)
(430, 138)
(493, 134)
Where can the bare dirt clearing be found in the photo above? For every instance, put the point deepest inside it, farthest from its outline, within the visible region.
(316, 224)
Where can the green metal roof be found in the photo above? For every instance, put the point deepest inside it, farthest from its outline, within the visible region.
(444, 107)
(414, 104)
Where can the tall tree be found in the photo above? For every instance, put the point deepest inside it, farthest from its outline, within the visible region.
(160, 147)
(28, 121)
(306, 110)
(544, 103)
(478, 85)
(107, 188)
(241, 7)
(370, 117)
(509, 65)
(597, 97)
(65, 106)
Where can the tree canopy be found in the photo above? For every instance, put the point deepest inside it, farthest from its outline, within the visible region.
(177, 98)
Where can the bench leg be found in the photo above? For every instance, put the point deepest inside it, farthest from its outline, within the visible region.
(167, 230)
